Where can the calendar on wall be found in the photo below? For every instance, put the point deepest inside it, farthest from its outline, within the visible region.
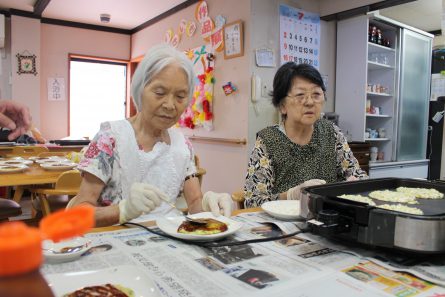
(299, 36)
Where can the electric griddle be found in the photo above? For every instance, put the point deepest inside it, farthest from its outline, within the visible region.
(349, 220)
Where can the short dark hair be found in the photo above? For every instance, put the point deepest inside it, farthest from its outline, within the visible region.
(282, 82)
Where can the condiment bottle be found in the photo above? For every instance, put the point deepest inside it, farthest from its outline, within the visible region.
(21, 249)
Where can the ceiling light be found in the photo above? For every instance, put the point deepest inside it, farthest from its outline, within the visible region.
(105, 18)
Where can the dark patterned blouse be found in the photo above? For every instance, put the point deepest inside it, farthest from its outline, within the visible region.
(310, 160)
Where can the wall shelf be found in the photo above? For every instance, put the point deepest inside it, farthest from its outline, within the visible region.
(377, 139)
(378, 66)
(378, 94)
(374, 47)
(370, 115)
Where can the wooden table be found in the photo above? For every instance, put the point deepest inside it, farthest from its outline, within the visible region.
(34, 175)
(6, 150)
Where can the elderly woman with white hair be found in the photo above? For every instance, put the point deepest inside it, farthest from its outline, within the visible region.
(133, 166)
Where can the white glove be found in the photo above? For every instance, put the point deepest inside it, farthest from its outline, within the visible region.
(295, 192)
(351, 178)
(217, 203)
(143, 199)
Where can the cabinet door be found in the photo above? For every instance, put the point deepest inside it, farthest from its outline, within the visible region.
(402, 171)
(415, 69)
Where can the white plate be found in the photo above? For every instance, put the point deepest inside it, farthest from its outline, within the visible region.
(131, 277)
(51, 257)
(12, 168)
(170, 226)
(58, 165)
(283, 209)
(55, 159)
(16, 162)
(7, 143)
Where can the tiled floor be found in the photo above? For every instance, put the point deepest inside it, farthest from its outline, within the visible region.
(25, 203)
(26, 215)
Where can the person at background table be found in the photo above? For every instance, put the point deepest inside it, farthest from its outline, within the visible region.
(15, 117)
(304, 149)
(132, 165)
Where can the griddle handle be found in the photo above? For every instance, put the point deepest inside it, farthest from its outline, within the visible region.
(361, 209)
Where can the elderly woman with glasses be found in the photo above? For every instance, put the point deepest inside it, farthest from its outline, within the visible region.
(304, 149)
(135, 168)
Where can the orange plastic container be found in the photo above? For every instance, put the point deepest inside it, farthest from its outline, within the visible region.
(21, 246)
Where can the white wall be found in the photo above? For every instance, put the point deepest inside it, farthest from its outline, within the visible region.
(333, 6)
(439, 41)
(266, 24)
(5, 63)
(25, 38)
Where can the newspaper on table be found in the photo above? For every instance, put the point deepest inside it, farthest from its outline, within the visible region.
(293, 266)
(342, 257)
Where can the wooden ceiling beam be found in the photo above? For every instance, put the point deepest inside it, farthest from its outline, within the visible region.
(40, 6)
(164, 15)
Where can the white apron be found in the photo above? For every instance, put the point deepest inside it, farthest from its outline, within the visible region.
(164, 167)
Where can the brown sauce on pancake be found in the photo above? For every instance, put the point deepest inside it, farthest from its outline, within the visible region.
(211, 227)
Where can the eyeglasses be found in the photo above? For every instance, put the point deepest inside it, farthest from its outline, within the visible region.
(301, 97)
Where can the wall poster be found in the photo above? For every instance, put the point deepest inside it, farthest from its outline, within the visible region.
(56, 89)
(299, 36)
(233, 40)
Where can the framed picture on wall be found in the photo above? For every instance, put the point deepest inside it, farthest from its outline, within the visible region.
(26, 64)
(233, 40)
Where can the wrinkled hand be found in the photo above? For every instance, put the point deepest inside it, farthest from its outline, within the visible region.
(14, 116)
(351, 178)
(143, 199)
(217, 203)
(295, 192)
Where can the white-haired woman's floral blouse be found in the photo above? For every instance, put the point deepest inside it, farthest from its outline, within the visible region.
(115, 158)
(260, 173)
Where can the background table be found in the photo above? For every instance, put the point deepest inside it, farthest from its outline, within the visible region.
(34, 175)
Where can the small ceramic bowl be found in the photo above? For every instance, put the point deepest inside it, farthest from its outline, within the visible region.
(54, 252)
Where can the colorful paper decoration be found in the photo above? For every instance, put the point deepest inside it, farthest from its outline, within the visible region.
(202, 11)
(182, 26)
(229, 88)
(191, 28)
(168, 35)
(199, 112)
(220, 21)
(207, 28)
(217, 38)
(175, 40)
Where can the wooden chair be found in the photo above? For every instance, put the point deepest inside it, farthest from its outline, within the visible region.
(66, 187)
(200, 172)
(9, 208)
(27, 151)
(238, 198)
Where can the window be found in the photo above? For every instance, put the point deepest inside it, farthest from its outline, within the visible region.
(97, 94)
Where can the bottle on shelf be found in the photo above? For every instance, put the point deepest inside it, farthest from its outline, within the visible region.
(379, 37)
(373, 35)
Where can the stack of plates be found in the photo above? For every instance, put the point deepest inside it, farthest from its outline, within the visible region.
(283, 209)
(15, 161)
(14, 165)
(54, 163)
(58, 165)
(41, 160)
